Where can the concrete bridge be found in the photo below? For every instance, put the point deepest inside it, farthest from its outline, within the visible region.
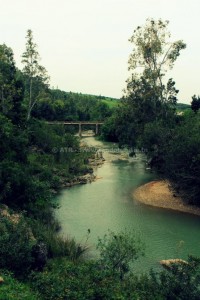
(79, 123)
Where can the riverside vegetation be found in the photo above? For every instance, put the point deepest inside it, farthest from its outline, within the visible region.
(148, 117)
(35, 261)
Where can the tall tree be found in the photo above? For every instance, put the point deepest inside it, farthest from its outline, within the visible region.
(11, 86)
(7, 76)
(195, 104)
(35, 73)
(148, 96)
(153, 54)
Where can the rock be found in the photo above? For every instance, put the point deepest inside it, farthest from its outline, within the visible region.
(88, 178)
(168, 263)
(67, 184)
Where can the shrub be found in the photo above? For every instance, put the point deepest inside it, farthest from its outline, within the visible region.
(13, 289)
(16, 242)
(117, 251)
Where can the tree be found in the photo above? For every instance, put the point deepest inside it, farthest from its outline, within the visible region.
(7, 77)
(35, 73)
(153, 54)
(181, 281)
(118, 250)
(148, 97)
(195, 104)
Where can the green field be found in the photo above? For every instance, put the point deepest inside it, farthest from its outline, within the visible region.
(111, 102)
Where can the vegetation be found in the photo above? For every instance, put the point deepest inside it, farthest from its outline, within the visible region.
(35, 261)
(117, 251)
(11, 288)
(149, 116)
(181, 107)
(35, 75)
(195, 105)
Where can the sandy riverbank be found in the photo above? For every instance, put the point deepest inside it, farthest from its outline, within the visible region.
(157, 193)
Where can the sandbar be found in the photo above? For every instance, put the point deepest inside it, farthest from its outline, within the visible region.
(158, 193)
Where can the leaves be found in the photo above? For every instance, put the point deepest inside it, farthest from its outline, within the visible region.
(118, 250)
(35, 74)
(153, 52)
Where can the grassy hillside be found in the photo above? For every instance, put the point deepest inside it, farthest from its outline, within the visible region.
(182, 106)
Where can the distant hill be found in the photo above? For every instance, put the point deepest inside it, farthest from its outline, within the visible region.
(182, 106)
(111, 102)
(59, 94)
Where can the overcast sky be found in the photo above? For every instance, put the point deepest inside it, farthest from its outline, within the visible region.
(84, 45)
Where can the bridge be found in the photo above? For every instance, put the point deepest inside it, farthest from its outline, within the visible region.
(79, 123)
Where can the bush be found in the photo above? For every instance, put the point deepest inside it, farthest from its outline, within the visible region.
(13, 289)
(83, 281)
(16, 242)
(117, 251)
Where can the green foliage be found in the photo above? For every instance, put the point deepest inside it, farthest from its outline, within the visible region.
(11, 288)
(11, 87)
(118, 251)
(35, 74)
(148, 99)
(182, 107)
(16, 243)
(112, 103)
(182, 159)
(195, 104)
(100, 279)
(153, 54)
(173, 150)
(182, 281)
(34, 160)
(58, 246)
(148, 115)
(64, 280)
(7, 75)
(36, 167)
(109, 128)
(58, 105)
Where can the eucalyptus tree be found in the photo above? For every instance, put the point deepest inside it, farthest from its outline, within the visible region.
(152, 56)
(149, 96)
(36, 75)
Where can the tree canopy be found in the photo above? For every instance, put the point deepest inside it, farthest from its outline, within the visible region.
(36, 74)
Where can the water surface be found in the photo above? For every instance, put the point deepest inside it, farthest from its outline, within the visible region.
(108, 204)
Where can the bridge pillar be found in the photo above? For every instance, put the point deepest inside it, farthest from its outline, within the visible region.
(97, 129)
(79, 130)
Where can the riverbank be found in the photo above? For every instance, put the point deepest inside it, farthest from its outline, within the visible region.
(159, 194)
(89, 177)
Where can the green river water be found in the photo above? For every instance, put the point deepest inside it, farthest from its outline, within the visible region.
(108, 204)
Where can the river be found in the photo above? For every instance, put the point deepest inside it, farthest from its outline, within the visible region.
(108, 204)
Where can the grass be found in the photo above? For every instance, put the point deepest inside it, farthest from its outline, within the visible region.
(112, 103)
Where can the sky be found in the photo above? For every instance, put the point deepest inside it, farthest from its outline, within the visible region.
(84, 44)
